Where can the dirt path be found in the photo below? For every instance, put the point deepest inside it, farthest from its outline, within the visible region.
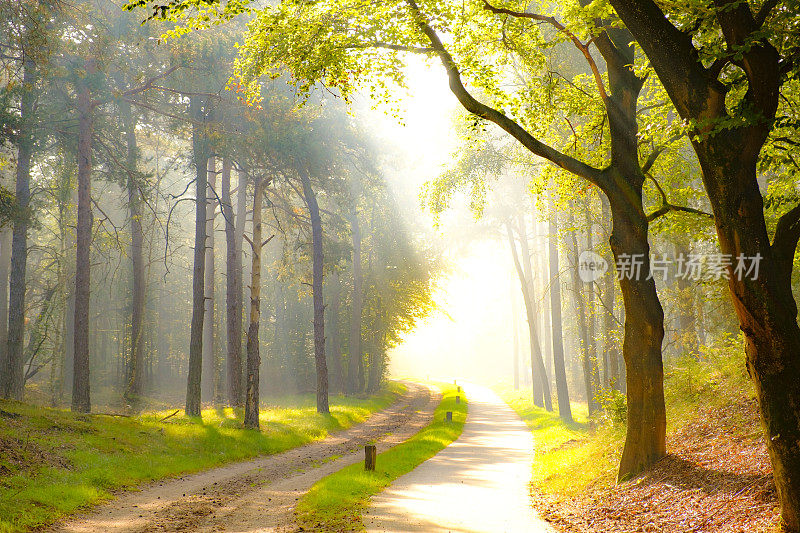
(256, 495)
(477, 484)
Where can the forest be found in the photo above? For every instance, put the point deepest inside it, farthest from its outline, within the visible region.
(218, 251)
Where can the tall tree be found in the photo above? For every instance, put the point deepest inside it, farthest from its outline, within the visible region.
(233, 288)
(354, 344)
(749, 54)
(199, 113)
(251, 404)
(559, 368)
(316, 287)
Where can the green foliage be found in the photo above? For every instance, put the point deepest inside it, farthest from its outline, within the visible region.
(336, 502)
(55, 462)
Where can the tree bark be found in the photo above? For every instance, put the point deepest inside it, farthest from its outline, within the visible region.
(136, 358)
(200, 159)
(241, 219)
(12, 381)
(233, 291)
(316, 285)
(251, 404)
(83, 240)
(210, 370)
(354, 355)
(536, 355)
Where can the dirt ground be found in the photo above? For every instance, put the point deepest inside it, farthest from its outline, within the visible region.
(255, 495)
(717, 479)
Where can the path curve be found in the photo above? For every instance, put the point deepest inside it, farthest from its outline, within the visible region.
(477, 484)
(258, 494)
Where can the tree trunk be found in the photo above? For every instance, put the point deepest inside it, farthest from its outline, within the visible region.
(559, 368)
(13, 383)
(515, 336)
(5, 266)
(233, 291)
(319, 306)
(210, 323)
(335, 348)
(241, 219)
(136, 359)
(583, 327)
(251, 404)
(354, 356)
(200, 157)
(536, 356)
(83, 241)
(645, 440)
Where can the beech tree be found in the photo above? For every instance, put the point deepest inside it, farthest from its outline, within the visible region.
(725, 67)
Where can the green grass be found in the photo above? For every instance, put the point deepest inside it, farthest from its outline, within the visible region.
(571, 457)
(54, 462)
(336, 502)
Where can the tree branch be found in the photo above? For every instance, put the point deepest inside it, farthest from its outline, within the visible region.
(479, 109)
(584, 48)
(667, 207)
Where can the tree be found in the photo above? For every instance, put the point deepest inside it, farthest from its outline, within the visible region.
(319, 306)
(731, 107)
(251, 419)
(233, 284)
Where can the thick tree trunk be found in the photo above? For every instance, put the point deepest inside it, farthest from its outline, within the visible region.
(136, 358)
(200, 159)
(354, 361)
(251, 404)
(559, 368)
(765, 307)
(645, 440)
(233, 291)
(335, 347)
(210, 370)
(316, 285)
(83, 241)
(536, 355)
(12, 380)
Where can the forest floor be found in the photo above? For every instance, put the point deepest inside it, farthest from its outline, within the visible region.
(254, 495)
(715, 479)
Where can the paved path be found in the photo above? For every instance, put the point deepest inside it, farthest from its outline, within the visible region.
(477, 484)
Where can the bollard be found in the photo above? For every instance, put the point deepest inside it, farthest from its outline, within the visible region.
(459, 389)
(449, 416)
(458, 399)
(370, 457)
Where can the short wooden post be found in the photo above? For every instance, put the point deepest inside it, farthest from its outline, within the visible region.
(370, 456)
(449, 416)
(458, 399)
(459, 389)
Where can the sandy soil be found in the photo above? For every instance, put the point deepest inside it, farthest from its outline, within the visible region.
(477, 484)
(256, 495)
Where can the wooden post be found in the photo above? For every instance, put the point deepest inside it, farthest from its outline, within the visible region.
(370, 457)
(459, 389)
(449, 416)
(458, 399)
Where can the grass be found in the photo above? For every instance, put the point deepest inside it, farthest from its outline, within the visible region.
(54, 462)
(573, 456)
(336, 502)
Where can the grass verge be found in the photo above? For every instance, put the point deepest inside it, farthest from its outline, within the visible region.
(570, 457)
(54, 462)
(336, 502)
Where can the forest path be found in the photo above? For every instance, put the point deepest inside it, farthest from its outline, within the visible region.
(259, 494)
(479, 483)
